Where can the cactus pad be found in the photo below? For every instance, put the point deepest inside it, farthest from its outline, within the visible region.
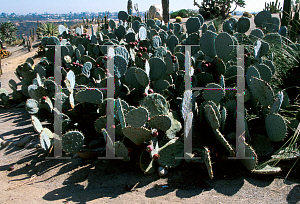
(141, 77)
(213, 95)
(72, 141)
(161, 122)
(207, 42)
(168, 153)
(137, 117)
(146, 163)
(211, 116)
(45, 141)
(32, 106)
(224, 45)
(91, 96)
(137, 135)
(193, 25)
(122, 151)
(250, 153)
(262, 91)
(276, 127)
(36, 124)
(157, 68)
(156, 104)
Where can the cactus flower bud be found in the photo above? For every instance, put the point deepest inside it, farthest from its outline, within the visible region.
(150, 91)
(149, 148)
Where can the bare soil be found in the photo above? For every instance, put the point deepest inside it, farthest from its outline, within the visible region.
(36, 179)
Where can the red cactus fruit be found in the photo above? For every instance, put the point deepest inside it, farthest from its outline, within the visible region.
(129, 149)
(155, 134)
(144, 60)
(44, 97)
(156, 157)
(136, 49)
(140, 55)
(145, 94)
(105, 58)
(174, 60)
(144, 49)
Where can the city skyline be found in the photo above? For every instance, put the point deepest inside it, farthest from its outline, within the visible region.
(76, 6)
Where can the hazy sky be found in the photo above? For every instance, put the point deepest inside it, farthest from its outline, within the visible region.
(75, 6)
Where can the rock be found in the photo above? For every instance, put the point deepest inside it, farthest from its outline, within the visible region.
(24, 141)
(155, 11)
(162, 171)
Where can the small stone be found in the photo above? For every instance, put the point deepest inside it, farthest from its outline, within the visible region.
(162, 171)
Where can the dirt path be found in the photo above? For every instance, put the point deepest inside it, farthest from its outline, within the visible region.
(36, 179)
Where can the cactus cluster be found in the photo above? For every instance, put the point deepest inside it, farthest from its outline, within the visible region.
(152, 111)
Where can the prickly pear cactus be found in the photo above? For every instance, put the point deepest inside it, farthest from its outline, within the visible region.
(72, 141)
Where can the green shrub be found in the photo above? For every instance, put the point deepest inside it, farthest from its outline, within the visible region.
(247, 14)
(178, 19)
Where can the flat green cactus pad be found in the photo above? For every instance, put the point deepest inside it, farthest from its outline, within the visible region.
(131, 79)
(89, 95)
(211, 116)
(146, 163)
(175, 125)
(45, 141)
(156, 104)
(122, 151)
(250, 153)
(207, 42)
(266, 169)
(168, 153)
(142, 77)
(262, 91)
(36, 124)
(100, 123)
(161, 122)
(137, 117)
(224, 45)
(32, 106)
(137, 135)
(72, 141)
(276, 127)
(211, 94)
(160, 85)
(158, 68)
(261, 144)
(224, 142)
(207, 162)
(265, 72)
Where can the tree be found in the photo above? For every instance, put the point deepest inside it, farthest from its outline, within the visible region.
(165, 6)
(48, 29)
(8, 32)
(221, 7)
